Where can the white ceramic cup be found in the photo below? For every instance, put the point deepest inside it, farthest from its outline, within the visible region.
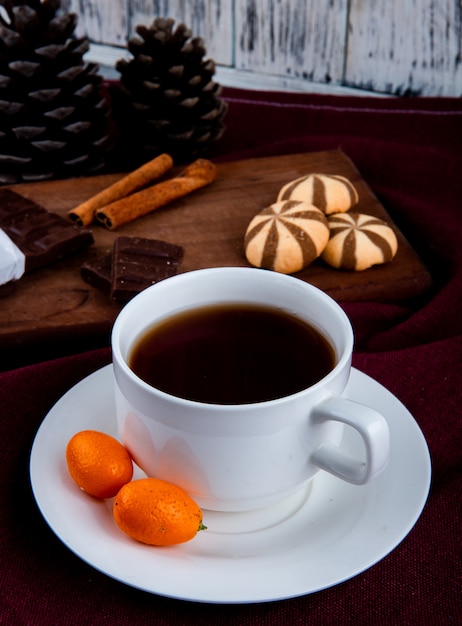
(247, 456)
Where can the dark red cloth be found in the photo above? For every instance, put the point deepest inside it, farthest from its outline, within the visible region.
(409, 153)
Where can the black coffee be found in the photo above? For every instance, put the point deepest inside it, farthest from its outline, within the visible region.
(232, 354)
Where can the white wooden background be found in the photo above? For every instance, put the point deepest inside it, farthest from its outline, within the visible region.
(389, 47)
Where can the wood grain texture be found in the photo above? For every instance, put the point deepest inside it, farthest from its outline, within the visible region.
(412, 47)
(210, 224)
(100, 20)
(292, 37)
(386, 46)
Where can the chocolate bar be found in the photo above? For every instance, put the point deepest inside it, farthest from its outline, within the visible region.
(97, 272)
(16, 208)
(135, 263)
(138, 262)
(42, 237)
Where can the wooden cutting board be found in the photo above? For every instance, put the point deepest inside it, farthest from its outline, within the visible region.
(55, 303)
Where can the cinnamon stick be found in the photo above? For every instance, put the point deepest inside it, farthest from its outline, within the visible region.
(84, 213)
(199, 174)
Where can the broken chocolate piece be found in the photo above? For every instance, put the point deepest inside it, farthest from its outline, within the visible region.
(97, 272)
(138, 263)
(135, 264)
(43, 237)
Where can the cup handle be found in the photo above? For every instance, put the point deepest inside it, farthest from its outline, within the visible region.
(373, 429)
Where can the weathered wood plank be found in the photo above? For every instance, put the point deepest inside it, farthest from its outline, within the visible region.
(103, 21)
(412, 46)
(388, 47)
(292, 38)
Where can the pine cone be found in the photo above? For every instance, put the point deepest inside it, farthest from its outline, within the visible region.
(53, 118)
(166, 100)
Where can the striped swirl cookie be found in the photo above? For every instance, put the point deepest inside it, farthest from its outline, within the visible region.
(330, 193)
(286, 236)
(358, 241)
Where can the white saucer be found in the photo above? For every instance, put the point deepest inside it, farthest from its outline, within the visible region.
(324, 536)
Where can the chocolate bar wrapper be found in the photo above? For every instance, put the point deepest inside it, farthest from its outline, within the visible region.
(12, 260)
